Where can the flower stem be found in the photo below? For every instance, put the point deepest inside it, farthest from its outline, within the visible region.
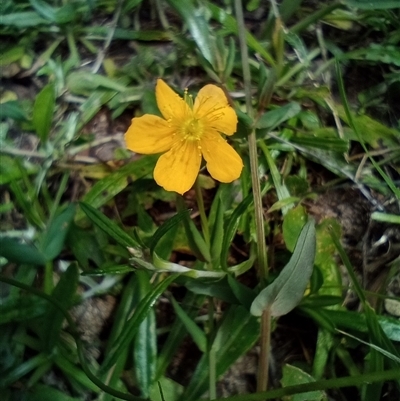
(212, 376)
(262, 262)
(203, 216)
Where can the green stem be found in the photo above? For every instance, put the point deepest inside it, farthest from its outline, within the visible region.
(321, 385)
(48, 278)
(203, 216)
(262, 262)
(212, 377)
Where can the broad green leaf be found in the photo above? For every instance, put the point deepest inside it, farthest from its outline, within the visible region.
(108, 226)
(326, 260)
(198, 335)
(17, 252)
(292, 225)
(212, 288)
(145, 346)
(293, 375)
(44, 9)
(64, 293)
(285, 293)
(9, 56)
(12, 109)
(23, 19)
(53, 239)
(171, 390)
(81, 82)
(271, 119)
(373, 132)
(43, 111)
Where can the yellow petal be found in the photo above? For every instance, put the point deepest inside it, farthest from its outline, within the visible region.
(177, 169)
(211, 105)
(223, 162)
(171, 105)
(149, 134)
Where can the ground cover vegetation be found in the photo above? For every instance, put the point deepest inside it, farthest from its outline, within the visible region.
(199, 200)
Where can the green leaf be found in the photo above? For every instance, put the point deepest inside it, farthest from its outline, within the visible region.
(21, 308)
(53, 238)
(217, 234)
(108, 226)
(231, 228)
(293, 223)
(193, 329)
(17, 252)
(218, 289)
(230, 24)
(271, 119)
(357, 321)
(285, 293)
(40, 392)
(373, 4)
(120, 269)
(64, 293)
(165, 227)
(81, 82)
(198, 26)
(145, 347)
(237, 333)
(106, 189)
(196, 241)
(131, 326)
(43, 111)
(23, 19)
(191, 304)
(292, 375)
(386, 217)
(12, 110)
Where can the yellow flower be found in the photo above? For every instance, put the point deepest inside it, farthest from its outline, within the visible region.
(186, 133)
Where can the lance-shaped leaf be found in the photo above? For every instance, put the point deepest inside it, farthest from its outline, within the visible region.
(285, 293)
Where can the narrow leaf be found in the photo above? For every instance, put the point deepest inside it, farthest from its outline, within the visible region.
(17, 252)
(54, 237)
(130, 329)
(165, 227)
(285, 293)
(194, 330)
(198, 26)
(108, 226)
(54, 317)
(43, 111)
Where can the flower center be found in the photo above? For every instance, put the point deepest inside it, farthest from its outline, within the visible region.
(192, 129)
